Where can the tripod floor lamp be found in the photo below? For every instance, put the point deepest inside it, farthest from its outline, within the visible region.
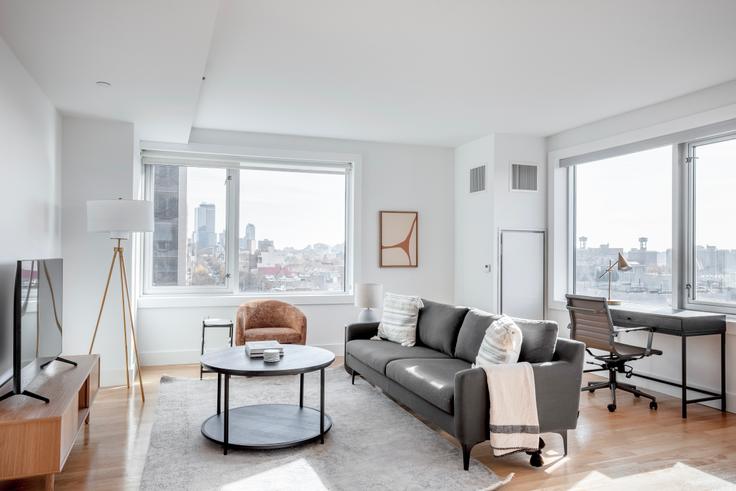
(120, 218)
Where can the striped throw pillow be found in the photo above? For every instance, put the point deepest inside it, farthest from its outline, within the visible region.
(399, 319)
(501, 343)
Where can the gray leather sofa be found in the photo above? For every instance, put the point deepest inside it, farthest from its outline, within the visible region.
(435, 378)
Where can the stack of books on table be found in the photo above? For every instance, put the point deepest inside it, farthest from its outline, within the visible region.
(255, 349)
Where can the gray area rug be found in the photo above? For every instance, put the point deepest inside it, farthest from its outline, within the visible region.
(373, 444)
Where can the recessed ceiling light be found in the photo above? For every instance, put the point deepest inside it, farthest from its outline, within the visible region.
(102, 83)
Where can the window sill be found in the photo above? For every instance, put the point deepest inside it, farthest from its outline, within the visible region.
(214, 300)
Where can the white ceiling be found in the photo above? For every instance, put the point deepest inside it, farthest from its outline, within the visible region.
(152, 52)
(419, 71)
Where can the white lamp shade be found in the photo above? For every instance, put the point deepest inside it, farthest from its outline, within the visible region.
(119, 216)
(368, 295)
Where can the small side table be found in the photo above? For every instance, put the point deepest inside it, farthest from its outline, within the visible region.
(214, 323)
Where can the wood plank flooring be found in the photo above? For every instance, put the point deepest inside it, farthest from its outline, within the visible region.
(607, 448)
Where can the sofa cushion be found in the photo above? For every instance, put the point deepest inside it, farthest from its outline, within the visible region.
(438, 325)
(377, 354)
(431, 379)
(540, 337)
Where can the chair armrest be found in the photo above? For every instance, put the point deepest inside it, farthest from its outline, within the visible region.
(471, 406)
(361, 330)
(557, 386)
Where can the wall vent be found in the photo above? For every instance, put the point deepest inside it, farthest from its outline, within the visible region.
(523, 177)
(478, 179)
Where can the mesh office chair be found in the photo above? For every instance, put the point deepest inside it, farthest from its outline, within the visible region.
(591, 323)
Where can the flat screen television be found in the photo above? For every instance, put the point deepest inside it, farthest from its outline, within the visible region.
(37, 320)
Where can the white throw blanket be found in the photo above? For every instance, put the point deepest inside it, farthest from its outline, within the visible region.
(514, 422)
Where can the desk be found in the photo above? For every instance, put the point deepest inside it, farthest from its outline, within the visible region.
(682, 323)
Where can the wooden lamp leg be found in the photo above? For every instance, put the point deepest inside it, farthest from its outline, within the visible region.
(104, 296)
(125, 325)
(132, 326)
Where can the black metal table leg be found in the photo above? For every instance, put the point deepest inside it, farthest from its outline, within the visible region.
(322, 405)
(227, 413)
(301, 390)
(219, 395)
(684, 376)
(201, 352)
(723, 371)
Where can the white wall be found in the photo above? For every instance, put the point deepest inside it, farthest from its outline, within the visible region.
(480, 216)
(702, 108)
(30, 184)
(393, 177)
(474, 227)
(98, 160)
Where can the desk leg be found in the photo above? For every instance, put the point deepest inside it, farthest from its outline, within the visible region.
(723, 371)
(684, 376)
(227, 413)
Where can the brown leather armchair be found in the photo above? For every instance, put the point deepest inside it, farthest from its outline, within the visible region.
(262, 320)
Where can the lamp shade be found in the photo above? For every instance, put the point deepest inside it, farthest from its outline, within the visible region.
(119, 216)
(368, 295)
(622, 263)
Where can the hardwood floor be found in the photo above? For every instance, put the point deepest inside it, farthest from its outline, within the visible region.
(606, 449)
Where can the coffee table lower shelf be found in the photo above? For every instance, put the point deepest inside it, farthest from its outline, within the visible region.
(266, 426)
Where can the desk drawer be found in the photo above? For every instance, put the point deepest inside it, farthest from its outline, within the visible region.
(636, 319)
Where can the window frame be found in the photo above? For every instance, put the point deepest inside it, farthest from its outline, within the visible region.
(688, 298)
(684, 248)
(233, 166)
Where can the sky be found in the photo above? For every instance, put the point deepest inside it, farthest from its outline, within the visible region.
(623, 198)
(294, 209)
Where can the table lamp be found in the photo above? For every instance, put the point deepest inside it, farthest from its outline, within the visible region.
(120, 218)
(622, 265)
(368, 296)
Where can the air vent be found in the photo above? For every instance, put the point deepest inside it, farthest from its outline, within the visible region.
(478, 179)
(523, 177)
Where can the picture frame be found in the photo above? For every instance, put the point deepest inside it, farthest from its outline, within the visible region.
(398, 239)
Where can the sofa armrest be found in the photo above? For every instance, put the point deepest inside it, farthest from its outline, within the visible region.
(557, 386)
(360, 330)
(471, 406)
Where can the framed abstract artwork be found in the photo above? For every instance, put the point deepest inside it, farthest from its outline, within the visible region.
(399, 239)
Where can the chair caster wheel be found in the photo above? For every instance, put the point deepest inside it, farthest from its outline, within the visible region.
(612, 407)
(653, 405)
(536, 460)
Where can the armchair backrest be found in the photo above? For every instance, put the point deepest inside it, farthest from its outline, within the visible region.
(270, 313)
(591, 321)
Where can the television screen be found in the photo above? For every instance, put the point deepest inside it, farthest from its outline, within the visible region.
(38, 305)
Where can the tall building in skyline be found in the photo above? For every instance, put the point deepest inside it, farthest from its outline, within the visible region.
(204, 226)
(169, 238)
(249, 238)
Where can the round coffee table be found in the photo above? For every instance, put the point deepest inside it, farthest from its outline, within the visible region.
(267, 426)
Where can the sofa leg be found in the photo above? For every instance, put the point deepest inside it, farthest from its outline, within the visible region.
(466, 455)
(353, 381)
(563, 434)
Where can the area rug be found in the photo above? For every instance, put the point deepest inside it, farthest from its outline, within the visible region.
(373, 444)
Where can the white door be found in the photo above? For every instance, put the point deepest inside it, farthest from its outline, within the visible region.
(522, 273)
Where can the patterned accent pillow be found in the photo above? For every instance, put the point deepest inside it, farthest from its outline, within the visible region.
(501, 343)
(399, 319)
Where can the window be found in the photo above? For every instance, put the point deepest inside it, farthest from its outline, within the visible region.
(711, 255)
(623, 205)
(245, 228)
(292, 231)
(189, 236)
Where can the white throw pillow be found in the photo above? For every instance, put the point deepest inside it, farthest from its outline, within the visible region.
(399, 319)
(501, 343)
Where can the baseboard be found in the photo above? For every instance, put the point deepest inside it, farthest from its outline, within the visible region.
(186, 357)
